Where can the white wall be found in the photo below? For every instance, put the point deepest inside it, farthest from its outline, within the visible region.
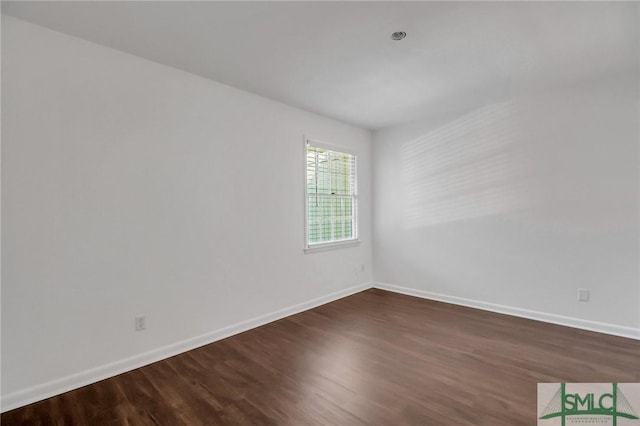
(130, 187)
(125, 190)
(518, 203)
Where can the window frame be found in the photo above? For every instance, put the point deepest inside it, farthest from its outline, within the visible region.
(310, 248)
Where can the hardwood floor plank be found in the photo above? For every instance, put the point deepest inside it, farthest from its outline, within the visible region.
(372, 358)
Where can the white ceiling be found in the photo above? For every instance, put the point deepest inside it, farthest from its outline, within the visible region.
(337, 58)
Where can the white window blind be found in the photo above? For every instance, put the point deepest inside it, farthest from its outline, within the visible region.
(331, 195)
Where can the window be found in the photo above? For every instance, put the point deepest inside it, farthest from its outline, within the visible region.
(331, 196)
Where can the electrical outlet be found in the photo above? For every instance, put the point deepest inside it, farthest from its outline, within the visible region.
(141, 322)
(583, 295)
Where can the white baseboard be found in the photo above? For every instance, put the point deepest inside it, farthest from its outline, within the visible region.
(75, 381)
(71, 382)
(601, 327)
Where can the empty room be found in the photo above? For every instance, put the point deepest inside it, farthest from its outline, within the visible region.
(320, 213)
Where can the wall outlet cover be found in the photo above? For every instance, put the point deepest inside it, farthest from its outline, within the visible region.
(141, 322)
(583, 295)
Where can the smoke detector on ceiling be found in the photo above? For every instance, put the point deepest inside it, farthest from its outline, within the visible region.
(398, 35)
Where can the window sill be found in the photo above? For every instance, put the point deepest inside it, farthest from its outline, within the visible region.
(331, 246)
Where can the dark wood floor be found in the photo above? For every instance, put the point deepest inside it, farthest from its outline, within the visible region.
(374, 358)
